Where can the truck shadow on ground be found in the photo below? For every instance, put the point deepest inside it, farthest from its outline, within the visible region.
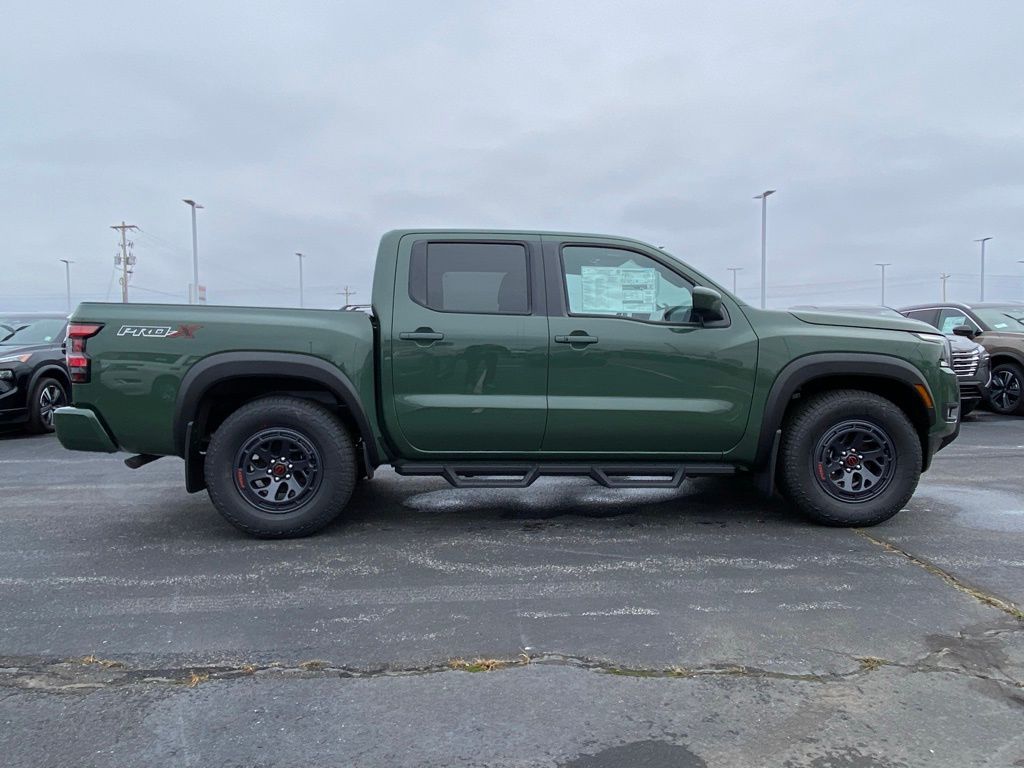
(396, 503)
(713, 501)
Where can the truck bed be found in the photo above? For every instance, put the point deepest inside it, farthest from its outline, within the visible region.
(141, 355)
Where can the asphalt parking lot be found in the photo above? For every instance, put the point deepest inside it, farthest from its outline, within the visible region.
(563, 625)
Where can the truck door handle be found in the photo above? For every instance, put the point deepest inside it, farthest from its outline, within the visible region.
(421, 334)
(576, 338)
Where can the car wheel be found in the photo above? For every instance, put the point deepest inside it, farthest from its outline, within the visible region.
(849, 458)
(280, 467)
(47, 396)
(1005, 390)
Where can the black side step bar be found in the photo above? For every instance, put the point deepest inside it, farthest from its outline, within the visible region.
(523, 474)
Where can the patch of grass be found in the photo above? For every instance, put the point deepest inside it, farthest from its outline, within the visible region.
(196, 678)
(482, 665)
(627, 672)
(250, 669)
(678, 672)
(97, 661)
(314, 665)
(869, 663)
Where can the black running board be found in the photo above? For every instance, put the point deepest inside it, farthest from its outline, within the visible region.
(523, 474)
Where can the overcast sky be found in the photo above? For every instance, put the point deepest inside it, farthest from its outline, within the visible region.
(893, 131)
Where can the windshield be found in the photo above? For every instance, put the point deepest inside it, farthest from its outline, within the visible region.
(1005, 319)
(40, 330)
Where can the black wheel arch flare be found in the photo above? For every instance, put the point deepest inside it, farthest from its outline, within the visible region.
(805, 370)
(223, 366)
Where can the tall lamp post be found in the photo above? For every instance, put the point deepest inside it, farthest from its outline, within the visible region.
(301, 257)
(883, 265)
(983, 240)
(763, 197)
(193, 295)
(67, 279)
(734, 270)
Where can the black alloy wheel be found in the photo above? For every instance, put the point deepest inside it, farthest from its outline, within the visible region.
(47, 397)
(854, 461)
(849, 457)
(280, 467)
(278, 470)
(1005, 395)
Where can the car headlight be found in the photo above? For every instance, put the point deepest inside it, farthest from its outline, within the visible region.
(938, 338)
(23, 358)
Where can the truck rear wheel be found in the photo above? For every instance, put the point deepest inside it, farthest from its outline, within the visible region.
(280, 467)
(849, 458)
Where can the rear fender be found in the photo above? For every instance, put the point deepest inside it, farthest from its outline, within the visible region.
(225, 366)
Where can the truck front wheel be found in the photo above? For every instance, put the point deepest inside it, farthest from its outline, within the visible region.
(280, 467)
(849, 458)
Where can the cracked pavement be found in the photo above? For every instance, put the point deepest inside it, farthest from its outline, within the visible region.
(699, 627)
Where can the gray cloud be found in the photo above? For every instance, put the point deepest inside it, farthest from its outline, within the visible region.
(893, 132)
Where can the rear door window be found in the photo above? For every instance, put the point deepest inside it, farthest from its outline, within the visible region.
(924, 315)
(471, 278)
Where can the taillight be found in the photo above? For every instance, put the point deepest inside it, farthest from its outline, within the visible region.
(74, 350)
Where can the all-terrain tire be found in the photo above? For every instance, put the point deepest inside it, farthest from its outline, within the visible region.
(46, 396)
(1006, 392)
(810, 471)
(294, 432)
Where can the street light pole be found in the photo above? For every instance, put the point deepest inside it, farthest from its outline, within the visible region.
(763, 197)
(983, 240)
(944, 276)
(193, 297)
(734, 270)
(67, 279)
(301, 257)
(883, 265)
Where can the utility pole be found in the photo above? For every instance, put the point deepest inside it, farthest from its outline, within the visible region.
(67, 278)
(883, 266)
(125, 260)
(944, 277)
(193, 294)
(763, 197)
(346, 292)
(301, 257)
(983, 240)
(734, 270)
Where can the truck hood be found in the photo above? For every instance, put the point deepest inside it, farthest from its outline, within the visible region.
(862, 321)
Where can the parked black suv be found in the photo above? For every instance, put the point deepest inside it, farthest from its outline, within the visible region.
(999, 327)
(33, 377)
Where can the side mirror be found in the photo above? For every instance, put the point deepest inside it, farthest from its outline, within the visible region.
(707, 304)
(964, 330)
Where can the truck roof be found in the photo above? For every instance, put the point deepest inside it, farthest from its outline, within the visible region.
(517, 232)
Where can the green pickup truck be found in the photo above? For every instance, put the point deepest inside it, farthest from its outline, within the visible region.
(491, 358)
